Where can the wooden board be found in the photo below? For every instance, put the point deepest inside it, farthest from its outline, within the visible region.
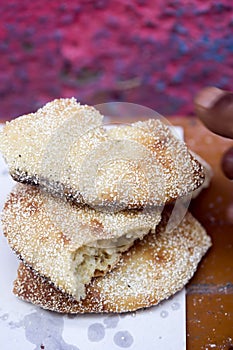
(210, 292)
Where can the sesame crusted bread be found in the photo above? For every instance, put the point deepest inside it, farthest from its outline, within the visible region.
(65, 148)
(208, 175)
(169, 171)
(70, 244)
(152, 270)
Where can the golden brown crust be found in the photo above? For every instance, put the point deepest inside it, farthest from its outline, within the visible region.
(152, 270)
(65, 149)
(55, 237)
(208, 175)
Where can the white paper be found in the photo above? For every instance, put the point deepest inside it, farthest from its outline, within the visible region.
(24, 326)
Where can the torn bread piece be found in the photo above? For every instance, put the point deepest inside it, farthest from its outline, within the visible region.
(65, 149)
(152, 270)
(67, 244)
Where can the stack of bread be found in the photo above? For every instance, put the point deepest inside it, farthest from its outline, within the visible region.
(88, 217)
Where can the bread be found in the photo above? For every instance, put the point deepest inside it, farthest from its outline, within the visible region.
(208, 175)
(94, 245)
(65, 149)
(152, 270)
(67, 244)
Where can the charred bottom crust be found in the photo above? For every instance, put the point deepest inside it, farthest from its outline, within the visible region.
(24, 178)
(59, 190)
(55, 188)
(45, 294)
(33, 288)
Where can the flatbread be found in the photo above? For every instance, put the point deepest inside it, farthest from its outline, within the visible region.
(65, 149)
(208, 175)
(66, 243)
(152, 270)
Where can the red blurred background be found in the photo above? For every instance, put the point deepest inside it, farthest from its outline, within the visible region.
(154, 53)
